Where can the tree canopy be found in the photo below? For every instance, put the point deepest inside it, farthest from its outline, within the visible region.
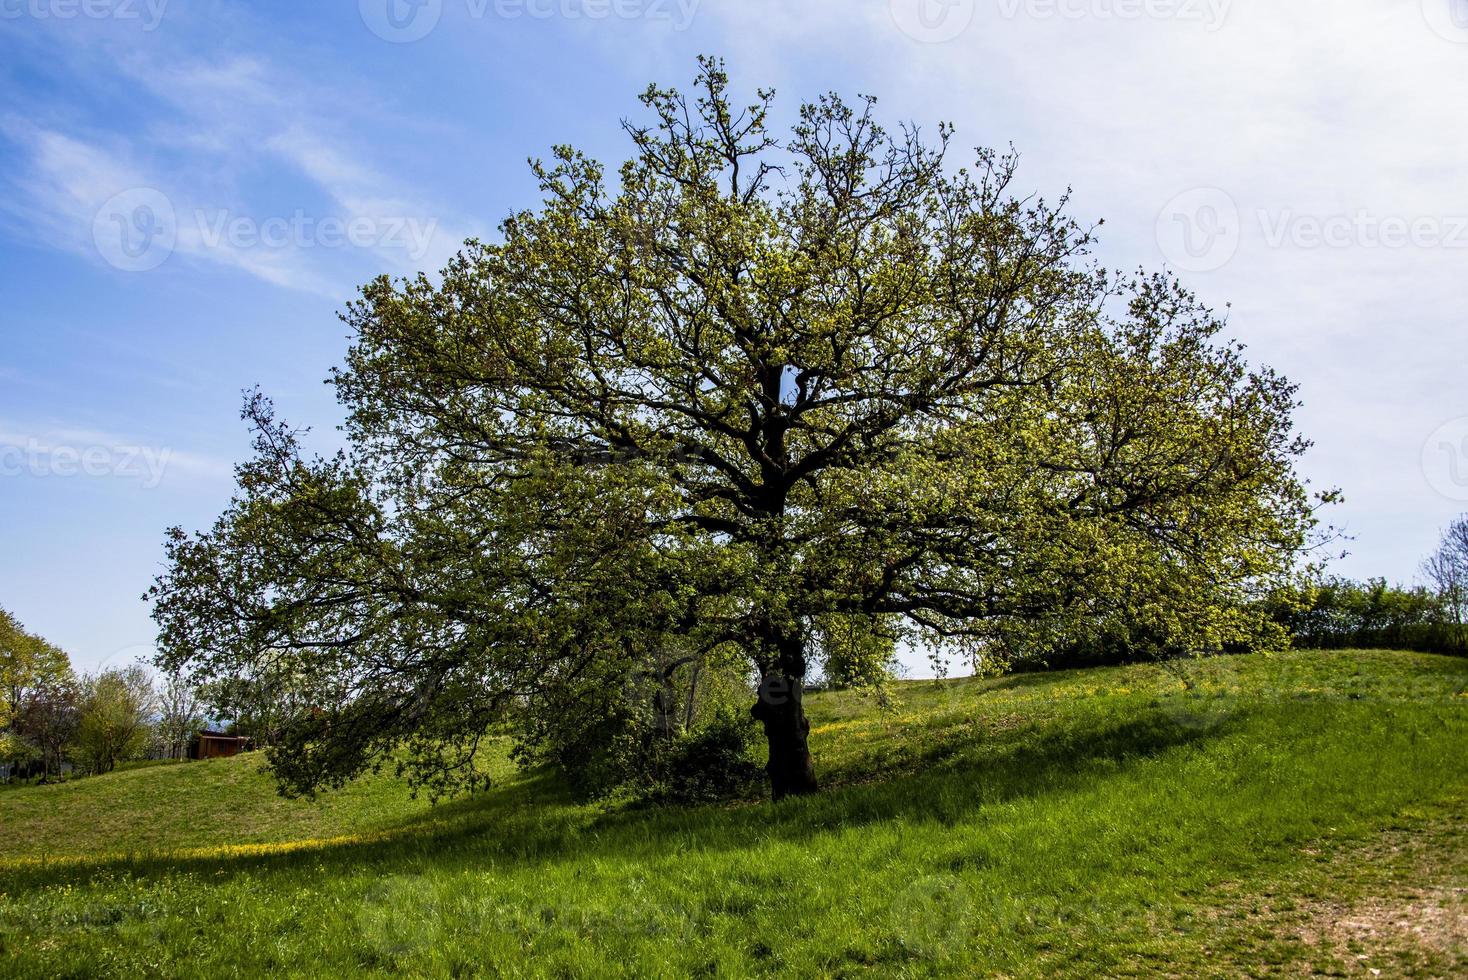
(36, 695)
(747, 393)
(114, 721)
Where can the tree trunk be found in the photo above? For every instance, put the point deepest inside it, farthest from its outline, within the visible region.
(692, 702)
(780, 707)
(780, 710)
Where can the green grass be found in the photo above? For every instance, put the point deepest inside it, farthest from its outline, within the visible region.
(1104, 822)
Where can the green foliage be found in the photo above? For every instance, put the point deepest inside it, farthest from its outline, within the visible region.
(113, 725)
(37, 697)
(857, 650)
(1159, 635)
(17, 750)
(715, 762)
(1060, 824)
(595, 735)
(1337, 613)
(748, 388)
(634, 734)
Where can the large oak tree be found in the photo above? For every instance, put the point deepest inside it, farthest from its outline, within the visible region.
(740, 391)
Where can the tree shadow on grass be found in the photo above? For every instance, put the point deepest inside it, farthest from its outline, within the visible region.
(534, 819)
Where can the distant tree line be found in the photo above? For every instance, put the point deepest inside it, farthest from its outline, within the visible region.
(54, 720)
(1337, 613)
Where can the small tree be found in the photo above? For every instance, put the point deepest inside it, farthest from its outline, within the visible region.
(35, 676)
(49, 720)
(261, 701)
(116, 707)
(1447, 571)
(26, 661)
(180, 715)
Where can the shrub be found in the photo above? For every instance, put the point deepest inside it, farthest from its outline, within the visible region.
(648, 730)
(716, 762)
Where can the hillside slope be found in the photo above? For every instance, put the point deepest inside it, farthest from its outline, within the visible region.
(1127, 820)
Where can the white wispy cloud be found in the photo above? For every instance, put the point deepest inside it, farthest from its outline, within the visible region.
(346, 221)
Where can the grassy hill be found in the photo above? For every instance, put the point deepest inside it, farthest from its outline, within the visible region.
(1257, 814)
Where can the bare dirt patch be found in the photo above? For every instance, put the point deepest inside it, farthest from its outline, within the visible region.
(1409, 911)
(1392, 906)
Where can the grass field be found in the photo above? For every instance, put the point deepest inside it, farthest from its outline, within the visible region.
(1287, 814)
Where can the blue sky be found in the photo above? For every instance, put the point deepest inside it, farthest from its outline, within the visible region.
(189, 191)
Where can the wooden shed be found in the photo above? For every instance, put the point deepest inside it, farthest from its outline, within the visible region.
(216, 745)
